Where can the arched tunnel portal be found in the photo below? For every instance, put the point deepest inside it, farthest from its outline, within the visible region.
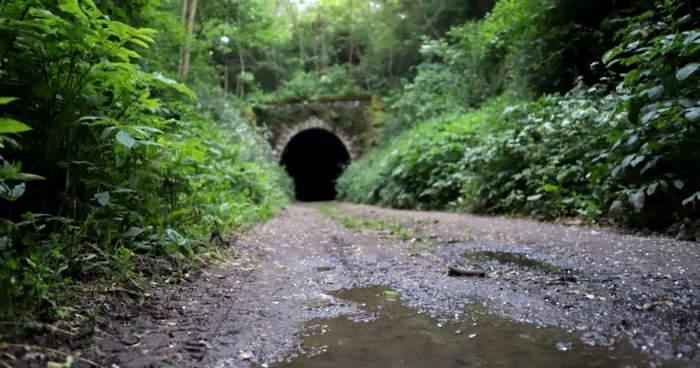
(315, 158)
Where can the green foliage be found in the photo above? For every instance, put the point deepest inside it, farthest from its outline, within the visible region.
(133, 170)
(654, 156)
(557, 156)
(331, 82)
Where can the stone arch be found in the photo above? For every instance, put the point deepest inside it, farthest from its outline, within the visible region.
(287, 133)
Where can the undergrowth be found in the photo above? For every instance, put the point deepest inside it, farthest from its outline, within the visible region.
(623, 148)
(107, 166)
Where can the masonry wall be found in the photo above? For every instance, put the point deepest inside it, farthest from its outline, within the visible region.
(350, 120)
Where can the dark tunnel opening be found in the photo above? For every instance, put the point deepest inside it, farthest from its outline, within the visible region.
(315, 158)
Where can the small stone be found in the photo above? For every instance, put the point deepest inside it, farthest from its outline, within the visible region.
(246, 355)
(33, 355)
(563, 346)
(458, 332)
(325, 299)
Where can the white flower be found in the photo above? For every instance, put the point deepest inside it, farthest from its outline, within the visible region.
(224, 40)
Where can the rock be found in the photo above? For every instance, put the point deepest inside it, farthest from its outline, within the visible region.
(325, 299)
(564, 346)
(33, 355)
(128, 340)
(246, 355)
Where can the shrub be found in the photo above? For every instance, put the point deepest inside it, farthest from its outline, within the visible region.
(131, 169)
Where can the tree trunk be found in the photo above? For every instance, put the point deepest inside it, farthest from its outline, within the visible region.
(351, 37)
(391, 63)
(183, 18)
(190, 31)
(419, 3)
(324, 51)
(241, 60)
(226, 68)
(293, 14)
(241, 87)
(276, 69)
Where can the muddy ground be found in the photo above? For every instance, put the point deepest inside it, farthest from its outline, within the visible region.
(606, 288)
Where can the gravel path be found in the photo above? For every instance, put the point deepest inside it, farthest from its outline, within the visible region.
(603, 285)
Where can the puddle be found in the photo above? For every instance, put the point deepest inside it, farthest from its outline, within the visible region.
(518, 259)
(390, 334)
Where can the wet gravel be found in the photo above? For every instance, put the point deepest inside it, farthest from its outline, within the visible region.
(638, 289)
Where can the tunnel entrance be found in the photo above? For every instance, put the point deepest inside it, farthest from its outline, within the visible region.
(315, 158)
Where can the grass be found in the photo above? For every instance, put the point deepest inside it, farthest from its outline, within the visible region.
(390, 228)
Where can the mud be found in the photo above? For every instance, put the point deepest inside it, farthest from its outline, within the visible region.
(632, 301)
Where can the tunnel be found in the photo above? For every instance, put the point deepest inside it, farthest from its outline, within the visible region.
(315, 158)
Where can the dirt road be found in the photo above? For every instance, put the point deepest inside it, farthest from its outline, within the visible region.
(551, 296)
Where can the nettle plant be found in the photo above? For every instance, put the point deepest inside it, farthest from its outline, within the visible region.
(653, 161)
(96, 131)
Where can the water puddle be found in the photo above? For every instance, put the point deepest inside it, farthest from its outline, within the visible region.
(390, 334)
(518, 259)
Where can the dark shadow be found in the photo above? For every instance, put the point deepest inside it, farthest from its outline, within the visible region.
(315, 158)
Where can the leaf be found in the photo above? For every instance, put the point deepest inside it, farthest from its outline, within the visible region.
(25, 177)
(133, 232)
(12, 126)
(178, 86)
(637, 200)
(637, 160)
(7, 100)
(175, 214)
(90, 3)
(686, 71)
(550, 188)
(692, 198)
(390, 293)
(102, 198)
(72, 7)
(654, 92)
(652, 188)
(648, 116)
(126, 139)
(611, 54)
(18, 190)
(534, 197)
(175, 237)
(627, 160)
(616, 171)
(693, 114)
(679, 184)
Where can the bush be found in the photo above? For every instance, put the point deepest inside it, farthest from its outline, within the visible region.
(576, 154)
(333, 81)
(123, 167)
